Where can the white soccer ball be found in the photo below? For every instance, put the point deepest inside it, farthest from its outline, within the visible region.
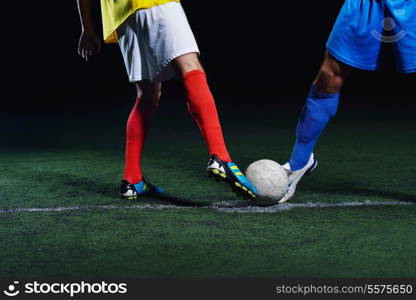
(270, 180)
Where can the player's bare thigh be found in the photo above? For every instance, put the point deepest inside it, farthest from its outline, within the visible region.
(149, 91)
(332, 75)
(188, 62)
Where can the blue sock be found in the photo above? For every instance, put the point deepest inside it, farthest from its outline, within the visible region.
(317, 111)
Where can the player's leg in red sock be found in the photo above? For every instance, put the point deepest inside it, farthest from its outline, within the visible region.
(201, 104)
(137, 127)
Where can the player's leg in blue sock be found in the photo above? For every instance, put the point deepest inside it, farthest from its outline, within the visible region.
(321, 105)
(317, 111)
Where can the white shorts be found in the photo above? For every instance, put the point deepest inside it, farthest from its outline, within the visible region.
(151, 38)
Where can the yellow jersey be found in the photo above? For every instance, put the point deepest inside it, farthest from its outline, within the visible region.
(115, 12)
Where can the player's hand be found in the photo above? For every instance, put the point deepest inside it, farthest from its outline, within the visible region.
(89, 45)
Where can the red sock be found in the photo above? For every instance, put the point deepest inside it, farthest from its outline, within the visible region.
(137, 126)
(202, 107)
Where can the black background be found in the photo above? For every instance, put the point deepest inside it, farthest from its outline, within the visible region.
(252, 51)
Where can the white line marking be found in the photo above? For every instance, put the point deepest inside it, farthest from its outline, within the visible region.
(225, 206)
(98, 207)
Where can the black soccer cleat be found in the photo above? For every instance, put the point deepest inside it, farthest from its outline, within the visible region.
(133, 191)
(231, 174)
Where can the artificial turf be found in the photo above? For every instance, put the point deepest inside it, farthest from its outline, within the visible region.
(76, 160)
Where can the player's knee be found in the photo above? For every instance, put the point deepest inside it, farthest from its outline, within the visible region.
(332, 75)
(188, 62)
(328, 81)
(149, 92)
(154, 96)
(153, 99)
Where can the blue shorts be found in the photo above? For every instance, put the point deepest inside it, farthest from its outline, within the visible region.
(365, 27)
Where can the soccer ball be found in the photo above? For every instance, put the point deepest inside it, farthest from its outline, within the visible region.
(270, 180)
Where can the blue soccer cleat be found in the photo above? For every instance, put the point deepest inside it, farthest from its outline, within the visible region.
(133, 191)
(231, 174)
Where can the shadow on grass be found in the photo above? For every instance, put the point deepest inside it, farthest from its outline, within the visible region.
(165, 198)
(353, 189)
(96, 186)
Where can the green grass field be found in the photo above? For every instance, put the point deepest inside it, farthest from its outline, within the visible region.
(76, 160)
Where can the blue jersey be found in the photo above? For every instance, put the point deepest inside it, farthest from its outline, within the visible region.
(365, 27)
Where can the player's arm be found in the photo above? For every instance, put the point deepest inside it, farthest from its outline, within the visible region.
(89, 43)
